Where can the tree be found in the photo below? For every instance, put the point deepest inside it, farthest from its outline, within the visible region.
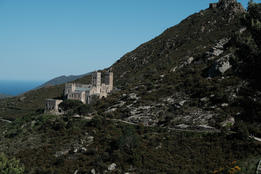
(70, 104)
(10, 166)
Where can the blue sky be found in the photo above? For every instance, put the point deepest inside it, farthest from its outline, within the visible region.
(42, 39)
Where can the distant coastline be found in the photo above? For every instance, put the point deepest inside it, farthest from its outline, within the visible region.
(16, 87)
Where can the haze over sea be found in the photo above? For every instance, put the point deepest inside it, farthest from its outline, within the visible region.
(16, 87)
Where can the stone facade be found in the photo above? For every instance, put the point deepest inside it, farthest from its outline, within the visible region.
(52, 106)
(83, 92)
(86, 92)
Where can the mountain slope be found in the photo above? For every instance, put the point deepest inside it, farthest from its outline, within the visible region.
(61, 80)
(176, 79)
(192, 37)
(186, 102)
(3, 96)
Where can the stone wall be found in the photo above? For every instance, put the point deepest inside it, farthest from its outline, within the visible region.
(52, 106)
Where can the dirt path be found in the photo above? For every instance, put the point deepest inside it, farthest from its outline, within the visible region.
(4, 120)
(173, 129)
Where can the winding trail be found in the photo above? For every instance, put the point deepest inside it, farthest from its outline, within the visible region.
(255, 138)
(172, 129)
(4, 120)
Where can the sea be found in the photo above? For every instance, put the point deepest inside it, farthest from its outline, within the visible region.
(15, 87)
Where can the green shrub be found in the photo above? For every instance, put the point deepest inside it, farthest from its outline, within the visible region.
(10, 166)
(70, 104)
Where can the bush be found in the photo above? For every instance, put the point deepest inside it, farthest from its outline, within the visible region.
(10, 166)
(84, 109)
(70, 104)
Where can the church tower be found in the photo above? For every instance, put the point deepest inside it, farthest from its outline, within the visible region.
(96, 81)
(109, 80)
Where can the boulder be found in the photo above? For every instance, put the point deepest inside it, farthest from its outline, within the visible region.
(228, 122)
(112, 167)
(190, 60)
(93, 171)
(220, 66)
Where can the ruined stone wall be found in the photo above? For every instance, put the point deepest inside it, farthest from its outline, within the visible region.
(52, 106)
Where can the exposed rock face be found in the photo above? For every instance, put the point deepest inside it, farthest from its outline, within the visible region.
(220, 66)
(112, 167)
(231, 5)
(93, 171)
(229, 122)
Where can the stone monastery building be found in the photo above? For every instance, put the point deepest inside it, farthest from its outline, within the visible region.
(83, 92)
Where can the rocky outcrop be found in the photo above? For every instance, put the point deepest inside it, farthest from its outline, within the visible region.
(230, 5)
(220, 66)
(229, 122)
(112, 167)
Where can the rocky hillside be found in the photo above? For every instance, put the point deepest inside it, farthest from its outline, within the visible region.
(187, 101)
(191, 76)
(186, 77)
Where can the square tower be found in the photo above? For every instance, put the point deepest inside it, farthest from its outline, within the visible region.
(109, 80)
(96, 79)
(69, 87)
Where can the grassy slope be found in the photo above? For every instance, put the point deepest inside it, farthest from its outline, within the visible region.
(29, 102)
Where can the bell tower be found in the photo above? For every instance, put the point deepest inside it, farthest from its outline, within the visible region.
(109, 80)
(96, 81)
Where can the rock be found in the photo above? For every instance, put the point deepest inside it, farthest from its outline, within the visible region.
(220, 66)
(61, 153)
(93, 171)
(169, 100)
(182, 126)
(76, 116)
(22, 98)
(204, 99)
(217, 52)
(133, 96)
(173, 69)
(83, 149)
(206, 127)
(33, 123)
(228, 122)
(159, 146)
(90, 139)
(190, 60)
(181, 103)
(111, 110)
(224, 104)
(231, 6)
(242, 30)
(112, 167)
(76, 171)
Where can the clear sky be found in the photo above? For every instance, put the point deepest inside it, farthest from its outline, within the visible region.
(43, 39)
